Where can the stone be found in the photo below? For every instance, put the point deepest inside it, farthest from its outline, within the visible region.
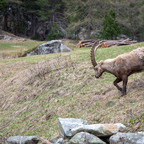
(60, 141)
(85, 138)
(7, 38)
(100, 130)
(122, 37)
(127, 138)
(64, 48)
(53, 140)
(66, 124)
(21, 39)
(54, 46)
(23, 140)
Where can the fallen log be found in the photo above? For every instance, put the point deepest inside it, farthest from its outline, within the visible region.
(86, 43)
(107, 43)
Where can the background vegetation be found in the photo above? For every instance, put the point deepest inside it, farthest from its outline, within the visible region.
(38, 18)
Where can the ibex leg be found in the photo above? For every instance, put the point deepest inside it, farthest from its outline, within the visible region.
(125, 80)
(116, 84)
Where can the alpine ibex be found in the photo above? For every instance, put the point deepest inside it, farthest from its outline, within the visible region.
(122, 66)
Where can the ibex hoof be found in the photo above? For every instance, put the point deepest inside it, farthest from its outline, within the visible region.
(123, 94)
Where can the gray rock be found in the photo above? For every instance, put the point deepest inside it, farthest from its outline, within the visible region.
(54, 46)
(127, 138)
(22, 140)
(85, 138)
(60, 141)
(53, 140)
(64, 48)
(84, 34)
(7, 38)
(100, 130)
(21, 39)
(66, 124)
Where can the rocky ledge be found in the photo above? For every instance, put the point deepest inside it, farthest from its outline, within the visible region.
(78, 131)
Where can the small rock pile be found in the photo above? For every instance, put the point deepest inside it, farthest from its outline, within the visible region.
(78, 131)
(10, 38)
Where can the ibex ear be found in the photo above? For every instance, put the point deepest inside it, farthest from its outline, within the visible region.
(101, 62)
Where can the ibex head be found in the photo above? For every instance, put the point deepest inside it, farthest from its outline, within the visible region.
(97, 66)
(98, 69)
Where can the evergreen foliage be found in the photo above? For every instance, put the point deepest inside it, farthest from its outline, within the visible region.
(55, 33)
(37, 17)
(3, 4)
(111, 28)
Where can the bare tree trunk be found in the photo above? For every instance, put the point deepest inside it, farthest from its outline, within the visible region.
(33, 25)
(90, 18)
(5, 17)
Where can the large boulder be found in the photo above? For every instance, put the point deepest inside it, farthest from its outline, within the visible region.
(127, 138)
(54, 46)
(22, 140)
(100, 130)
(7, 38)
(85, 138)
(66, 124)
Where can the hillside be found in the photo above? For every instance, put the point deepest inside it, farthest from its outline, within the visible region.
(36, 90)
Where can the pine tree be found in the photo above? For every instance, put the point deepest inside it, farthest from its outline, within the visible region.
(111, 28)
(3, 4)
(3, 14)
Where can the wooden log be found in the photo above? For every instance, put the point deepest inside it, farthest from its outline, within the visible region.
(106, 43)
(85, 41)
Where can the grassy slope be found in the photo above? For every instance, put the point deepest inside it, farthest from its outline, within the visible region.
(15, 48)
(36, 90)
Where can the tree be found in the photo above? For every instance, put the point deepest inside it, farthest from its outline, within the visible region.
(111, 28)
(3, 4)
(83, 15)
(3, 16)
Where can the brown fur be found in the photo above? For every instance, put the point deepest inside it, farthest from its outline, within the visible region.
(122, 66)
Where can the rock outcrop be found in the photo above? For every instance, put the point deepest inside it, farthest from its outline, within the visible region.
(78, 131)
(54, 46)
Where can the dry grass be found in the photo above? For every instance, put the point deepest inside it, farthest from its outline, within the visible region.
(33, 96)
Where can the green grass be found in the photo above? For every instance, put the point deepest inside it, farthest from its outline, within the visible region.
(17, 48)
(32, 100)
